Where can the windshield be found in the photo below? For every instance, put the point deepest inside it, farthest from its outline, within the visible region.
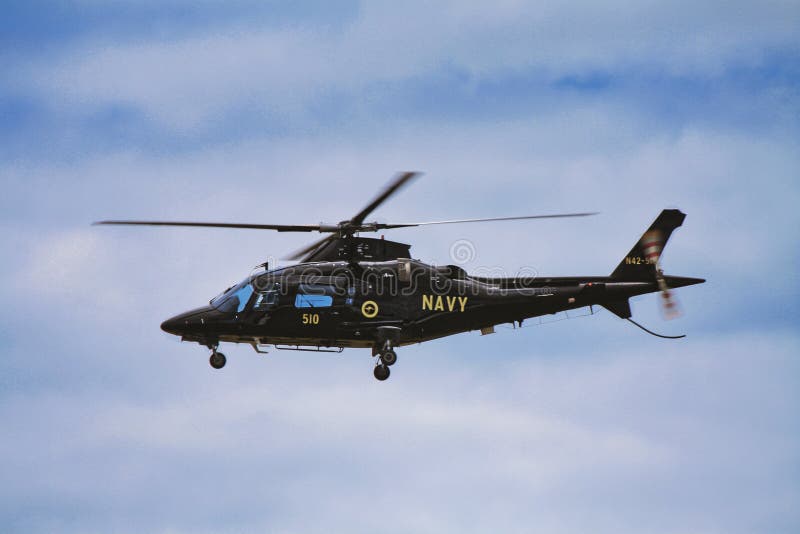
(234, 299)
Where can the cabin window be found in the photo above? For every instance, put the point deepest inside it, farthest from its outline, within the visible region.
(314, 296)
(266, 300)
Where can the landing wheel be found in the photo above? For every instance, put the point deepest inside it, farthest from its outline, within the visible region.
(217, 360)
(381, 372)
(389, 357)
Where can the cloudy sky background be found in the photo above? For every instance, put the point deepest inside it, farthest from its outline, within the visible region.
(268, 112)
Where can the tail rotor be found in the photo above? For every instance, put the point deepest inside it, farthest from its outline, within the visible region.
(669, 304)
(652, 244)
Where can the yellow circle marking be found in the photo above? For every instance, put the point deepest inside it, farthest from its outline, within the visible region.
(369, 309)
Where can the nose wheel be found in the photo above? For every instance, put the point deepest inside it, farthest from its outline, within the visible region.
(217, 360)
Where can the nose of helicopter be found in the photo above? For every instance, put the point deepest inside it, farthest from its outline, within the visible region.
(187, 322)
(172, 325)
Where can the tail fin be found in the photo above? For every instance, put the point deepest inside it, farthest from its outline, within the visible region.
(641, 261)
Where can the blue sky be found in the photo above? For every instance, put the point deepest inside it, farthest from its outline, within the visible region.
(269, 112)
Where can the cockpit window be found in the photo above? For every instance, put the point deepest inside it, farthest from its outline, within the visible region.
(234, 299)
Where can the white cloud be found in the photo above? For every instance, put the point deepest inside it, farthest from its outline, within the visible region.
(519, 445)
(63, 264)
(184, 83)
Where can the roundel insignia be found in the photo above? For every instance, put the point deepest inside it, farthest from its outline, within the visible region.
(369, 309)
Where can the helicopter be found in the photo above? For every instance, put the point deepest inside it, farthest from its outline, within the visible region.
(351, 291)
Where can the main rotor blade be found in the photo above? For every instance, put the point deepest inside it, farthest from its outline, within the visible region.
(380, 226)
(399, 181)
(278, 227)
(298, 254)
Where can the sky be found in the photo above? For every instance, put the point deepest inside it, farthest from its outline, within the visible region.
(273, 112)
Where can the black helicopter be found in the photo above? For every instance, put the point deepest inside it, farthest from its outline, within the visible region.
(353, 291)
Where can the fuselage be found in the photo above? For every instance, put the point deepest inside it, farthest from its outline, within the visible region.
(338, 304)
